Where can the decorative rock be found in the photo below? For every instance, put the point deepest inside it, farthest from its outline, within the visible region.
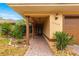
(10, 42)
(13, 45)
(24, 45)
(16, 46)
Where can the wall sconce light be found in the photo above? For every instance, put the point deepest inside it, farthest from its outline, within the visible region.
(56, 16)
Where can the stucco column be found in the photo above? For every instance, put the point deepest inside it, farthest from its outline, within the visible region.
(56, 23)
(27, 30)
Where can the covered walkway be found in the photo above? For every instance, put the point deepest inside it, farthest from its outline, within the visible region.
(38, 47)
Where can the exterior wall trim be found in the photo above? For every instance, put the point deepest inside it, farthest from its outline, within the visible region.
(48, 38)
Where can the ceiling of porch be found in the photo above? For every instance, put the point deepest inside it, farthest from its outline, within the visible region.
(45, 9)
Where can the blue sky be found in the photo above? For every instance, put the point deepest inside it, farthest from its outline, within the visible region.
(8, 13)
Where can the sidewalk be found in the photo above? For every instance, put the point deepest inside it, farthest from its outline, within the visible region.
(38, 47)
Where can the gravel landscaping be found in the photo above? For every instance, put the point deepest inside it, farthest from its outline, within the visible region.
(71, 50)
(11, 50)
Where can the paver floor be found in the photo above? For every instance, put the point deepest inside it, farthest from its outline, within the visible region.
(38, 47)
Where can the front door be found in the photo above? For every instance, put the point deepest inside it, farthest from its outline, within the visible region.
(39, 29)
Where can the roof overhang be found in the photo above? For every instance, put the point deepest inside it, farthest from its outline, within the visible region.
(45, 9)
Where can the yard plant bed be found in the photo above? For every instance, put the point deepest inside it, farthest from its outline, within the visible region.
(11, 50)
(60, 47)
(67, 52)
(12, 38)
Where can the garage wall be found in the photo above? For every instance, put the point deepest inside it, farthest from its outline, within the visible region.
(71, 26)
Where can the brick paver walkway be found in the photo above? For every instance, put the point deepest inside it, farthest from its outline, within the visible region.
(38, 47)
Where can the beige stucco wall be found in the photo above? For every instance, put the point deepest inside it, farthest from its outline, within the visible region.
(55, 25)
(51, 25)
(46, 27)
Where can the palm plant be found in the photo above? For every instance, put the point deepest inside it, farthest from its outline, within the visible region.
(62, 40)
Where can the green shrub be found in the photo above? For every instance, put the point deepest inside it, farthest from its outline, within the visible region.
(19, 29)
(23, 29)
(17, 33)
(5, 29)
(62, 40)
(16, 30)
(22, 25)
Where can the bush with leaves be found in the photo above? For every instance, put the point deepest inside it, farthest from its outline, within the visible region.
(17, 33)
(22, 25)
(62, 40)
(19, 29)
(5, 29)
(23, 29)
(16, 30)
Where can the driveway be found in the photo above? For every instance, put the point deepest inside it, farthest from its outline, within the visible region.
(38, 47)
